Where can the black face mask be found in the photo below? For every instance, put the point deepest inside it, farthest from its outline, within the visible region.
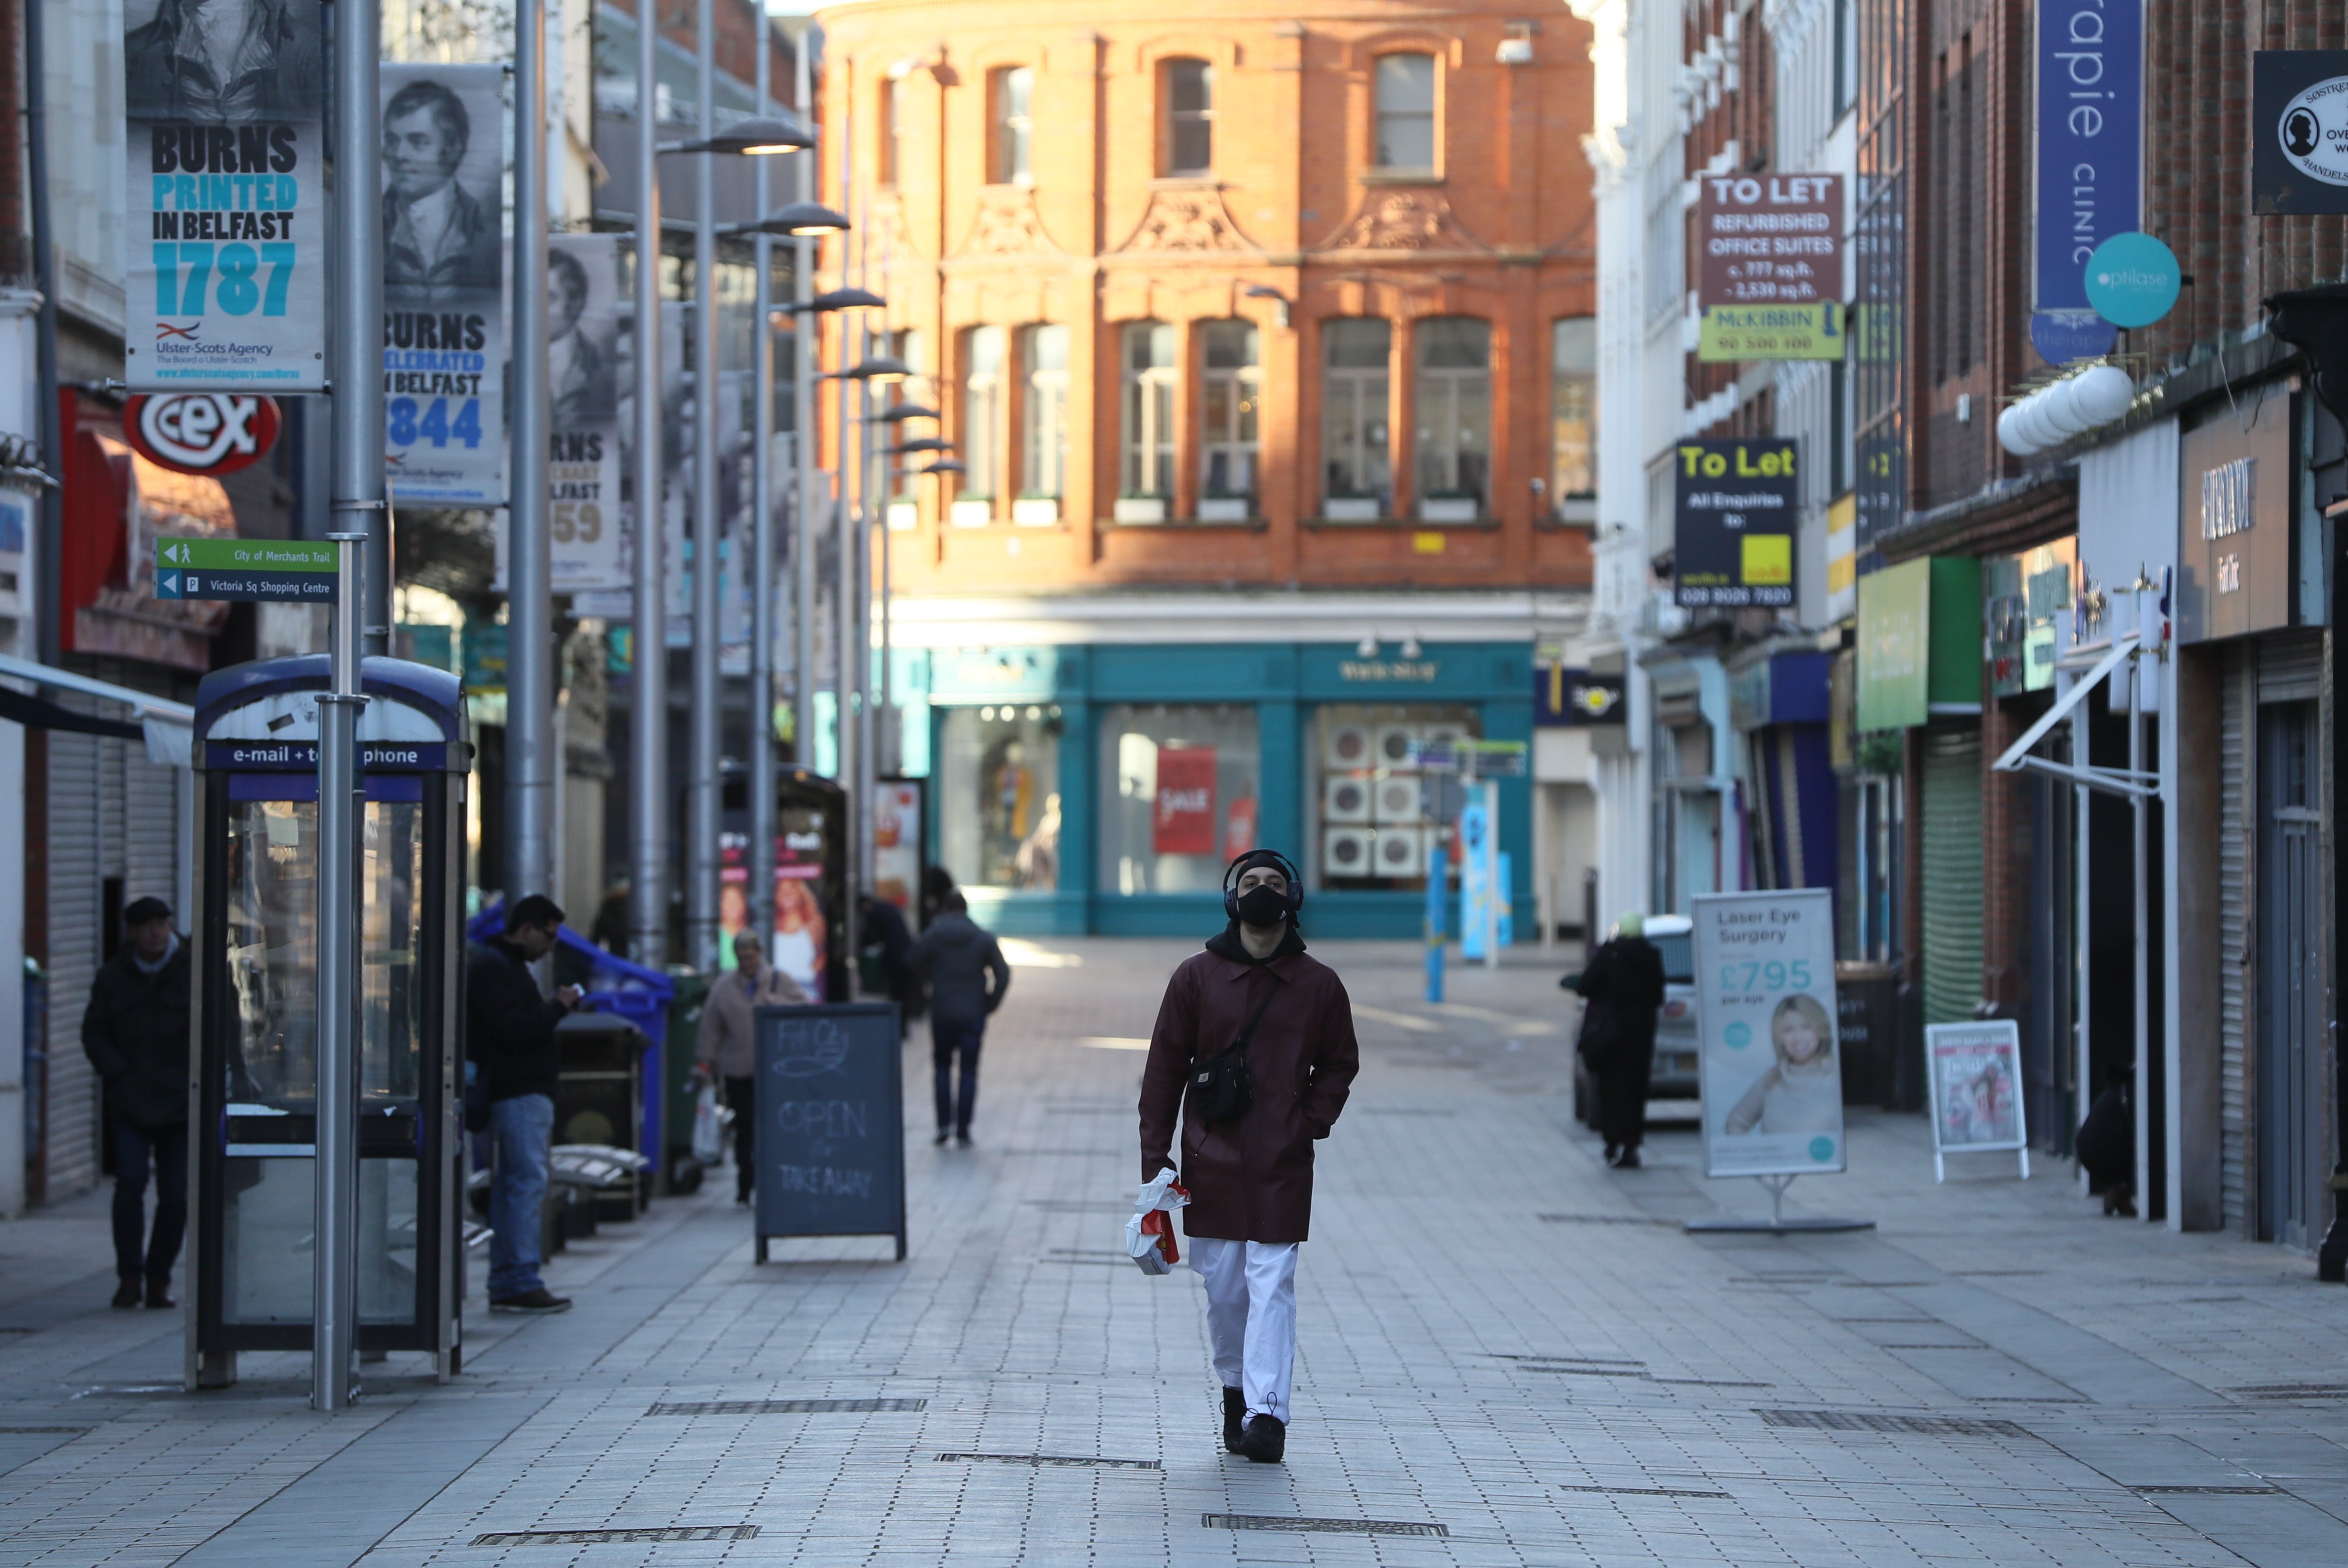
(1263, 906)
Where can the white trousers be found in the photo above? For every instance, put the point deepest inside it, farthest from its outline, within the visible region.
(1251, 1317)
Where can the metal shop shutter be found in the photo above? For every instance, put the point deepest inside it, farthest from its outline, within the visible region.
(1951, 891)
(2234, 844)
(2291, 666)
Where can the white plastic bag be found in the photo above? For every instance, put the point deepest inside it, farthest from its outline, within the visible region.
(708, 1126)
(1149, 1235)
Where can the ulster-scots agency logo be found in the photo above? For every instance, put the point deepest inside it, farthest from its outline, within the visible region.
(2313, 131)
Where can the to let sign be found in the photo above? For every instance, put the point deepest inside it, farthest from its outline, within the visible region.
(1737, 506)
(1769, 239)
(261, 571)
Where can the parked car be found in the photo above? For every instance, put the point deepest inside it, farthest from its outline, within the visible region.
(1676, 1039)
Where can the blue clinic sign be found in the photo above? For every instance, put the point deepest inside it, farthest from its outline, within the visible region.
(2132, 280)
(2090, 139)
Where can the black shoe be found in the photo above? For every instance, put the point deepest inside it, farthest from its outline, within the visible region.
(1613, 1152)
(1265, 1440)
(130, 1293)
(962, 1138)
(939, 1141)
(159, 1294)
(741, 1197)
(1629, 1158)
(540, 1300)
(1234, 1421)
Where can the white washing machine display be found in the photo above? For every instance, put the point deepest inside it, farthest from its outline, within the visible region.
(1345, 799)
(1346, 852)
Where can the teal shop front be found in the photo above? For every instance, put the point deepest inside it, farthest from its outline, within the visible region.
(1102, 789)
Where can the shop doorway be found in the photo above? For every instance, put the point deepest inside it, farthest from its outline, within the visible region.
(2290, 971)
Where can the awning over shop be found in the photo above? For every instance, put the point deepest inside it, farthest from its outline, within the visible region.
(2122, 781)
(167, 727)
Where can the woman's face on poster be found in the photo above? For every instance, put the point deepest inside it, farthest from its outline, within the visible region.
(1797, 1040)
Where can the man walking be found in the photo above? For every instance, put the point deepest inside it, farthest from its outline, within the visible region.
(728, 1046)
(1254, 996)
(1621, 990)
(509, 1033)
(134, 1033)
(958, 956)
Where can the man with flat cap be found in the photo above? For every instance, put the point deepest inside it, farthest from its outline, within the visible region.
(1252, 997)
(134, 1033)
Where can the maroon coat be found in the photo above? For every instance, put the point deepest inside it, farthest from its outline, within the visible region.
(1249, 1179)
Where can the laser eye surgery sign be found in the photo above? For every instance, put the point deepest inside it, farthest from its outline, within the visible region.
(224, 238)
(1735, 512)
(444, 330)
(256, 570)
(1771, 1071)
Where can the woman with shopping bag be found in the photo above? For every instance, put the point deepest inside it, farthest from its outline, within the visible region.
(1254, 1048)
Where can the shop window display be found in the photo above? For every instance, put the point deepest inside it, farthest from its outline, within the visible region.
(1378, 817)
(1179, 791)
(998, 800)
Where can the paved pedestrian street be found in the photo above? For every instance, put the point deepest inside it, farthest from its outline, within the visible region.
(1509, 1353)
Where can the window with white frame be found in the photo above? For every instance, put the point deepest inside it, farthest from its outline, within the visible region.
(1009, 89)
(1044, 351)
(891, 129)
(1231, 395)
(1453, 394)
(1573, 416)
(1405, 112)
(1353, 395)
(1150, 380)
(981, 412)
(1190, 99)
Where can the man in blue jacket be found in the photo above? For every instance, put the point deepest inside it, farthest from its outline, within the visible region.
(964, 965)
(509, 1037)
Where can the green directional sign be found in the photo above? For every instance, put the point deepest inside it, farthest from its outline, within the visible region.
(263, 571)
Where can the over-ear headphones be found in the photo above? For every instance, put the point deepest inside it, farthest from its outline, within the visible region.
(1286, 868)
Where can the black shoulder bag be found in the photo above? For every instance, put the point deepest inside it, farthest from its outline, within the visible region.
(1220, 1089)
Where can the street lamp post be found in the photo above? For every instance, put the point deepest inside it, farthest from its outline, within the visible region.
(705, 784)
(530, 763)
(758, 861)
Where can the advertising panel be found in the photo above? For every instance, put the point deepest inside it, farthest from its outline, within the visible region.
(897, 839)
(2090, 73)
(1182, 821)
(1975, 1074)
(224, 252)
(583, 329)
(1768, 238)
(1733, 332)
(1771, 1076)
(2298, 130)
(1895, 647)
(1737, 506)
(444, 273)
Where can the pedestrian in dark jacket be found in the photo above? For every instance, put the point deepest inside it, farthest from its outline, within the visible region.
(509, 1039)
(134, 1033)
(958, 957)
(1622, 989)
(888, 941)
(1250, 1176)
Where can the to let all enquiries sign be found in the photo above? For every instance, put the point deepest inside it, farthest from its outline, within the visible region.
(1735, 510)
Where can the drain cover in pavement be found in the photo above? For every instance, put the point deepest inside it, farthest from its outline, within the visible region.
(1049, 1459)
(784, 1406)
(2292, 1391)
(2207, 1491)
(1603, 1220)
(1870, 1421)
(1639, 1491)
(1319, 1526)
(616, 1537)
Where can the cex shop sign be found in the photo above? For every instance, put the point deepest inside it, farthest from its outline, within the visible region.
(208, 433)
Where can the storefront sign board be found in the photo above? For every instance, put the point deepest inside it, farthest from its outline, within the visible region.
(2298, 130)
(2233, 550)
(1737, 505)
(831, 1126)
(225, 234)
(1975, 1074)
(1769, 1066)
(2090, 139)
(1575, 697)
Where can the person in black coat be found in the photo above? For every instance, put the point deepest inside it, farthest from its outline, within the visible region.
(888, 942)
(510, 1041)
(134, 1033)
(1622, 989)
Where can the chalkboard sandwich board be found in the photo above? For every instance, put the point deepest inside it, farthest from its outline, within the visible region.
(830, 1135)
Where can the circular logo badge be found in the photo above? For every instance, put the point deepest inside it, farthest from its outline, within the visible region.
(201, 432)
(2313, 131)
(1822, 1149)
(1737, 1035)
(2132, 280)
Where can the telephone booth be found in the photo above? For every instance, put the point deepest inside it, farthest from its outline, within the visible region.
(254, 1069)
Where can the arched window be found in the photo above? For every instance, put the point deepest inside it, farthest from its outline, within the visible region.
(1357, 483)
(1453, 404)
(1189, 96)
(1405, 127)
(1149, 381)
(1231, 394)
(1010, 128)
(982, 420)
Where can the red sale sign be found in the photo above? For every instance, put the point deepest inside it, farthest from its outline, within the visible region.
(1183, 821)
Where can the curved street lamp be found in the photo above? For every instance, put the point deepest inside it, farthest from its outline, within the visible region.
(758, 137)
(798, 221)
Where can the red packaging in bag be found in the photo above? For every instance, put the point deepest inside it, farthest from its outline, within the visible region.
(1160, 1222)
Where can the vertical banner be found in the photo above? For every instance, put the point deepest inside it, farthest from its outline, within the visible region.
(2090, 143)
(582, 326)
(224, 238)
(1478, 831)
(444, 278)
(1182, 821)
(897, 839)
(1766, 1004)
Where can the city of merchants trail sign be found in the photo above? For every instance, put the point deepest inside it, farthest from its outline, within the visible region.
(261, 571)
